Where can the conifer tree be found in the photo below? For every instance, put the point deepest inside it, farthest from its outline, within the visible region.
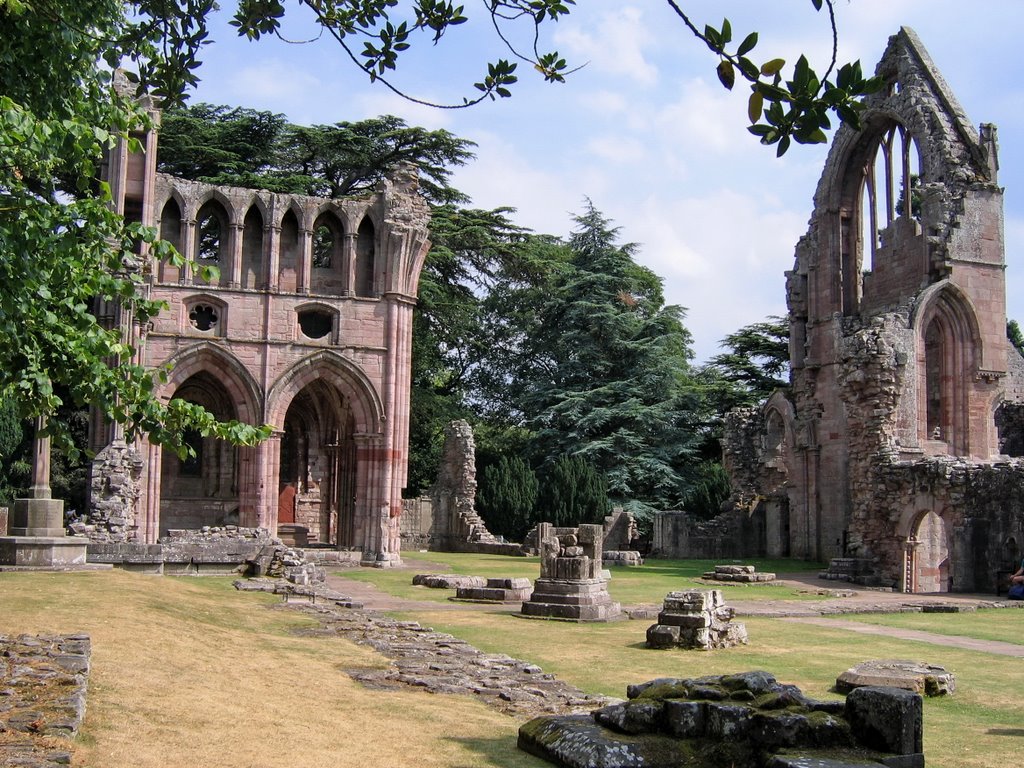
(572, 492)
(607, 375)
(506, 496)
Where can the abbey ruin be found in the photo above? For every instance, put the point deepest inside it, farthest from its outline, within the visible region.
(890, 452)
(307, 328)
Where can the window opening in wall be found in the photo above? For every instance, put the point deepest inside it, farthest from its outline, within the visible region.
(365, 259)
(933, 380)
(323, 247)
(892, 171)
(203, 317)
(209, 239)
(315, 323)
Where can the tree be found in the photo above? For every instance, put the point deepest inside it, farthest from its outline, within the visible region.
(754, 365)
(506, 496)
(606, 376)
(780, 110)
(61, 243)
(1015, 336)
(572, 492)
(262, 150)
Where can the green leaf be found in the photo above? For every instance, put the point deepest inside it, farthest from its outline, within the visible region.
(726, 74)
(747, 45)
(755, 105)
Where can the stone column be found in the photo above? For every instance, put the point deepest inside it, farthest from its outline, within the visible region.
(348, 264)
(305, 260)
(39, 515)
(36, 532)
(234, 266)
(188, 249)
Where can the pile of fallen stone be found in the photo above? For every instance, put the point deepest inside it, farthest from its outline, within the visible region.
(696, 619)
(741, 574)
(747, 720)
(43, 681)
(291, 565)
(437, 662)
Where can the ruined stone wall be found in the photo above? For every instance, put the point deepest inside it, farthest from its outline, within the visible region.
(446, 519)
(309, 335)
(891, 451)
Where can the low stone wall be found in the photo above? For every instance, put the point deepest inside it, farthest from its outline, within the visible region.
(740, 574)
(43, 683)
(747, 720)
(631, 558)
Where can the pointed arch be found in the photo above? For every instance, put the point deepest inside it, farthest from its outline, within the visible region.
(207, 356)
(948, 341)
(349, 378)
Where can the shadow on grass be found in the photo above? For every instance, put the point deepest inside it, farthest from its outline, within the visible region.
(498, 752)
(1006, 731)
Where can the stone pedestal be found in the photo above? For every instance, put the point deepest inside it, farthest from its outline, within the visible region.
(36, 537)
(50, 552)
(579, 600)
(571, 585)
(37, 517)
(697, 618)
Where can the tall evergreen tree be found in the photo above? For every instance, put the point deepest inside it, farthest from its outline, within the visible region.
(572, 492)
(506, 496)
(607, 375)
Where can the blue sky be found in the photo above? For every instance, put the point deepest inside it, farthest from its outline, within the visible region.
(646, 131)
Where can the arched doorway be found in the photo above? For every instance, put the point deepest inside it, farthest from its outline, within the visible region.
(201, 489)
(930, 555)
(316, 485)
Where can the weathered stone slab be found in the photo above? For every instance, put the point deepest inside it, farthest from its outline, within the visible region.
(447, 580)
(916, 676)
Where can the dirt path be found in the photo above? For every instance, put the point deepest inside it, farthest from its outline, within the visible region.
(950, 641)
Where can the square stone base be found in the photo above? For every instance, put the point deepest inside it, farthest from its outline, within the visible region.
(42, 551)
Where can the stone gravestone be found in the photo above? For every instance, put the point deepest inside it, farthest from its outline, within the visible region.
(571, 585)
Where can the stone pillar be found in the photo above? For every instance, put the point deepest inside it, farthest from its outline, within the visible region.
(38, 515)
(348, 264)
(36, 537)
(305, 260)
(188, 249)
(234, 265)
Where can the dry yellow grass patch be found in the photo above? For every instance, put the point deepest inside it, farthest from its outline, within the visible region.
(187, 672)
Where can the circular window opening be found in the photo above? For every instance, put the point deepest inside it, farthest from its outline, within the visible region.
(315, 324)
(203, 317)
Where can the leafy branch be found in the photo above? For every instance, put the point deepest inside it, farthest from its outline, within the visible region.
(782, 111)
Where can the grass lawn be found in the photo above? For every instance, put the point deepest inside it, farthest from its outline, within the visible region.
(190, 672)
(630, 586)
(1000, 624)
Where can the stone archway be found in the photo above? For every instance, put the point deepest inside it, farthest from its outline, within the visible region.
(930, 555)
(203, 488)
(317, 478)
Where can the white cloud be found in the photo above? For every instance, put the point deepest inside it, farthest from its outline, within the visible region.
(616, 44)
